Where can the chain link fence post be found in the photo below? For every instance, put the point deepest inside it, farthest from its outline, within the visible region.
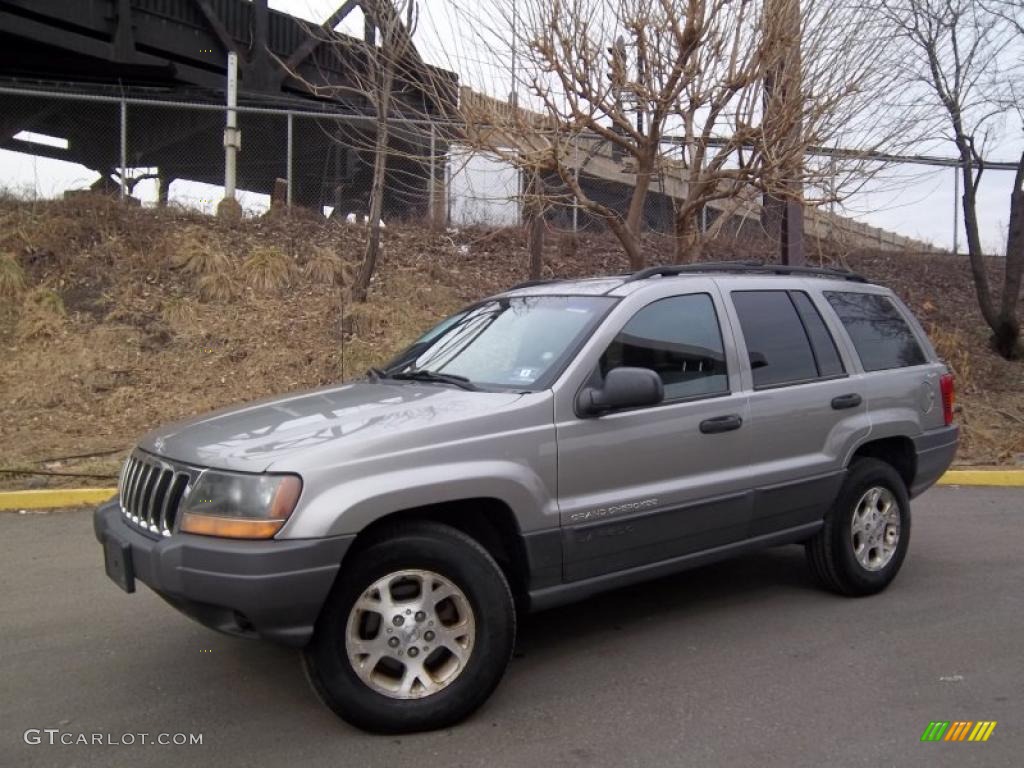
(290, 151)
(575, 198)
(124, 149)
(432, 178)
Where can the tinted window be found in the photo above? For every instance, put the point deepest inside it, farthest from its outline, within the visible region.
(879, 333)
(679, 339)
(779, 350)
(822, 343)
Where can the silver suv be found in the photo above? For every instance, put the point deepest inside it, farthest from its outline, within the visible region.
(542, 445)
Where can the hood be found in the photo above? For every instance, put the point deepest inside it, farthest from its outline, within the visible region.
(251, 437)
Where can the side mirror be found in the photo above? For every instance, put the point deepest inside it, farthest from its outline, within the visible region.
(623, 388)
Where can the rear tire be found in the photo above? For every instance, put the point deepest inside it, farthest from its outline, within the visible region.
(416, 633)
(864, 540)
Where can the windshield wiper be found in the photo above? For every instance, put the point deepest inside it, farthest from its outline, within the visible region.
(421, 374)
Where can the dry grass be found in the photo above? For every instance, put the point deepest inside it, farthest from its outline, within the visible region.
(953, 347)
(42, 314)
(194, 254)
(177, 310)
(268, 269)
(218, 286)
(323, 266)
(107, 340)
(12, 276)
(378, 331)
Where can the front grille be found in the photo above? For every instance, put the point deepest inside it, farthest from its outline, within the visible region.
(150, 491)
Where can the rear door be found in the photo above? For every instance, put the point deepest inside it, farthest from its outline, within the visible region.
(807, 404)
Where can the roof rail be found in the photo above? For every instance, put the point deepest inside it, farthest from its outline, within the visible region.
(531, 283)
(745, 267)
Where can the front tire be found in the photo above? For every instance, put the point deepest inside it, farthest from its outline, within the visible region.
(416, 633)
(864, 540)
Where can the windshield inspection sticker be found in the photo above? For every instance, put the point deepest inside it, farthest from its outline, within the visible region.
(526, 374)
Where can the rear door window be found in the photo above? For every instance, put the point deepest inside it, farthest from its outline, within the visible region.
(779, 349)
(822, 344)
(879, 332)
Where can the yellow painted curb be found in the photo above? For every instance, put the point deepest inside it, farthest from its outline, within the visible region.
(1013, 478)
(76, 497)
(54, 498)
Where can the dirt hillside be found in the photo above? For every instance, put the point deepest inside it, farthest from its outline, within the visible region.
(113, 320)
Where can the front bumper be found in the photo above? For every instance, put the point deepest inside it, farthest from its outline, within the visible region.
(272, 589)
(935, 451)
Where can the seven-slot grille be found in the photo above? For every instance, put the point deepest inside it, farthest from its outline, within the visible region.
(150, 491)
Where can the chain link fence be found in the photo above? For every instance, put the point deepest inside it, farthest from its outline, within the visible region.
(172, 153)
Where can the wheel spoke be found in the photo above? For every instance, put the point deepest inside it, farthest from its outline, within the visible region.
(872, 498)
(456, 640)
(441, 593)
(890, 512)
(376, 601)
(368, 661)
(414, 672)
(862, 553)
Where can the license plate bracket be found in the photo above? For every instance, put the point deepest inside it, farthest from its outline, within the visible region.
(117, 558)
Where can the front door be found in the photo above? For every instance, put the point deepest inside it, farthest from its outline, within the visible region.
(651, 484)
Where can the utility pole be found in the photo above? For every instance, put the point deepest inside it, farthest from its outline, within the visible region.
(956, 211)
(513, 100)
(782, 213)
(514, 96)
(124, 148)
(229, 208)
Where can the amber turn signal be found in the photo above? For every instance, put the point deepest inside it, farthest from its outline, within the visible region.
(229, 527)
(285, 497)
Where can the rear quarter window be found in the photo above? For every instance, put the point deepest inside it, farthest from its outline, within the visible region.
(879, 332)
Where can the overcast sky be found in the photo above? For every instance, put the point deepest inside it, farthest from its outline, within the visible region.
(917, 201)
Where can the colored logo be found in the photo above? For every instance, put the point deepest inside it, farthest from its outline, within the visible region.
(958, 730)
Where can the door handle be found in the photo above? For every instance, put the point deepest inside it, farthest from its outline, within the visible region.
(846, 401)
(721, 424)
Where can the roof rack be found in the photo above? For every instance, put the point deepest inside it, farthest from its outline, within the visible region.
(531, 283)
(745, 267)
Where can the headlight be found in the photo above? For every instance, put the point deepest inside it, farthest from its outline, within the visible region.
(239, 506)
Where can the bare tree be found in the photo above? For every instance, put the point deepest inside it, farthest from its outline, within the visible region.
(382, 62)
(1011, 12)
(959, 56)
(674, 92)
(589, 100)
(389, 82)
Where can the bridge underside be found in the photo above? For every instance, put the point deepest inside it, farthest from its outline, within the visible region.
(176, 50)
(332, 164)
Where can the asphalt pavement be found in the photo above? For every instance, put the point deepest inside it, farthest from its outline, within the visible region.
(743, 663)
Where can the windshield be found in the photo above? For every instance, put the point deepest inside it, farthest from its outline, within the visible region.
(512, 342)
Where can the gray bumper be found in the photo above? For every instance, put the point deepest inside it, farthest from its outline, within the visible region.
(272, 589)
(935, 451)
